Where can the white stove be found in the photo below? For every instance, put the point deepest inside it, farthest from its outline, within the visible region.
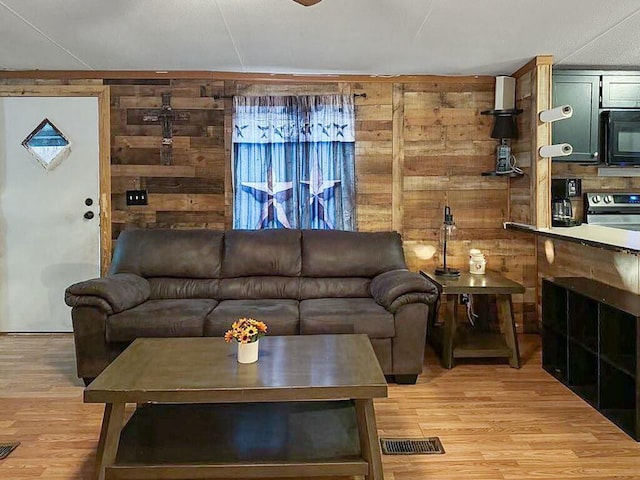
(613, 209)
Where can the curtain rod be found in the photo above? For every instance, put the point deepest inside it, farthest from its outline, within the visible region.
(220, 97)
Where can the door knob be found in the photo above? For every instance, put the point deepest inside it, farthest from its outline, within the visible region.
(88, 215)
(88, 202)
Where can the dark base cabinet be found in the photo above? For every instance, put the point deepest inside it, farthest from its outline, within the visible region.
(590, 344)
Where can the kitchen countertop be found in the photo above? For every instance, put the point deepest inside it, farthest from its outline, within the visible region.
(592, 235)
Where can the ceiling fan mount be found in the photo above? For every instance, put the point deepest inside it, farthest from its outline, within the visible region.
(307, 3)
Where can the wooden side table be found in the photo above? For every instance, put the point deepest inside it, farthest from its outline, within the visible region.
(446, 338)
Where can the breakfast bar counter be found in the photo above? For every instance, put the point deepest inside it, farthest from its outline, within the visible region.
(598, 236)
(608, 255)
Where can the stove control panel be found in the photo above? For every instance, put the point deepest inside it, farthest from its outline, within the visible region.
(611, 199)
(614, 209)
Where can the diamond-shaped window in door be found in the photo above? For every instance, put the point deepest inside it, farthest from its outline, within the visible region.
(47, 144)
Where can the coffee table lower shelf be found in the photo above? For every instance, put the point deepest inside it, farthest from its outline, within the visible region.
(240, 440)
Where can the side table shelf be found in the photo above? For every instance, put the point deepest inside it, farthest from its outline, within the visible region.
(590, 344)
(453, 342)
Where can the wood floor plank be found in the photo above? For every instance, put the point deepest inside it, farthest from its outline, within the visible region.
(495, 422)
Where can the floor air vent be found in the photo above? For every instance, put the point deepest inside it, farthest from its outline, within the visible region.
(6, 449)
(411, 446)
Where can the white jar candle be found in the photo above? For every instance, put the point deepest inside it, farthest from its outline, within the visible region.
(477, 262)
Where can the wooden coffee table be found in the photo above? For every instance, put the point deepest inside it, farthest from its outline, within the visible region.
(304, 409)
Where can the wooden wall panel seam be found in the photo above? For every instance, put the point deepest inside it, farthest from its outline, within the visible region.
(397, 169)
(541, 196)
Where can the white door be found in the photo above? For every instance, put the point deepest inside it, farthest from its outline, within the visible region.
(46, 243)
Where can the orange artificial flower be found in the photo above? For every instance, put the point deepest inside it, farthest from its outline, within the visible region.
(245, 330)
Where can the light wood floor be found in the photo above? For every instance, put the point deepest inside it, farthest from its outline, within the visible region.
(495, 422)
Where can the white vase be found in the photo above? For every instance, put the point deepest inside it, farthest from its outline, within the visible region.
(248, 352)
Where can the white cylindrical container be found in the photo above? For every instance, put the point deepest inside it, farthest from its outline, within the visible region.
(477, 262)
(477, 267)
(248, 352)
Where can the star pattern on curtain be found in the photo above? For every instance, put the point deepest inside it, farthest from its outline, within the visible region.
(340, 129)
(319, 191)
(239, 129)
(306, 129)
(294, 162)
(272, 196)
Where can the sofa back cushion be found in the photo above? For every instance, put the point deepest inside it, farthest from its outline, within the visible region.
(250, 253)
(168, 253)
(333, 253)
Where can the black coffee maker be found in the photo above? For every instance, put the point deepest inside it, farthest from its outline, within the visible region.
(562, 190)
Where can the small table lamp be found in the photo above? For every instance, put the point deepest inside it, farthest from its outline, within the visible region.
(448, 227)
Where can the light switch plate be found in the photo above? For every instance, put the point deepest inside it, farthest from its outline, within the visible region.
(137, 197)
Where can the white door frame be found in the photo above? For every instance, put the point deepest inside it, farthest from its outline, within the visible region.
(104, 147)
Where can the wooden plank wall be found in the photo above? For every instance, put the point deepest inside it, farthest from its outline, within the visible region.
(421, 144)
(446, 147)
(521, 191)
(521, 206)
(190, 192)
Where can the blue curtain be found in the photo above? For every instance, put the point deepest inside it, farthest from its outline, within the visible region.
(294, 162)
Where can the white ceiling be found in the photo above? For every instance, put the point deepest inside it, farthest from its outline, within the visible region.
(376, 37)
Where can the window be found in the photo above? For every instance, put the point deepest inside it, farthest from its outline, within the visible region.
(294, 162)
(47, 144)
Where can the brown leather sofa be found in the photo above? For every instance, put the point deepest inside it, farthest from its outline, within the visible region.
(183, 283)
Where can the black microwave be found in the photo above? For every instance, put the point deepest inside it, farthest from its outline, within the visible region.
(621, 131)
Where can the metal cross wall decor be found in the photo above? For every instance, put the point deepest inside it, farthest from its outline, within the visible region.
(165, 117)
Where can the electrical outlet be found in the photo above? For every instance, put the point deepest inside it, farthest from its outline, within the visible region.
(137, 197)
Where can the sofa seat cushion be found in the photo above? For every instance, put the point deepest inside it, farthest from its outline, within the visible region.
(345, 315)
(280, 315)
(160, 318)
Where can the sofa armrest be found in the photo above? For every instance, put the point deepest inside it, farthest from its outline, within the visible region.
(113, 293)
(395, 288)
